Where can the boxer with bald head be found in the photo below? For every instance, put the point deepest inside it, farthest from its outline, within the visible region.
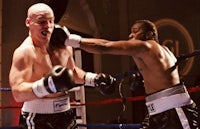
(168, 102)
(42, 74)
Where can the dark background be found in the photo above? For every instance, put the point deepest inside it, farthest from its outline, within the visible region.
(110, 19)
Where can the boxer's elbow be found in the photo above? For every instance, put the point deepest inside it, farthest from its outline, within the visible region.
(16, 95)
(20, 95)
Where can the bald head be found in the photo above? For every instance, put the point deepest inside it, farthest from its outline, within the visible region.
(39, 8)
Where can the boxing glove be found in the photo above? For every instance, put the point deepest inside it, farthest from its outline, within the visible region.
(104, 83)
(58, 79)
(73, 40)
(137, 81)
(58, 37)
(61, 37)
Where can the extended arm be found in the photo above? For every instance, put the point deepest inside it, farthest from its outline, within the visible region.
(131, 47)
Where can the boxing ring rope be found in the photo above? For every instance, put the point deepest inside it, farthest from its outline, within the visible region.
(12, 127)
(113, 126)
(107, 101)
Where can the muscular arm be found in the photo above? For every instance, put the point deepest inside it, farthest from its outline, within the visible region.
(78, 72)
(105, 83)
(20, 75)
(123, 47)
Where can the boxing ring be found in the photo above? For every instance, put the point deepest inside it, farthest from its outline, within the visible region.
(102, 102)
(82, 124)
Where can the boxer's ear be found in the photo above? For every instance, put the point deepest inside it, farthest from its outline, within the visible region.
(149, 35)
(27, 22)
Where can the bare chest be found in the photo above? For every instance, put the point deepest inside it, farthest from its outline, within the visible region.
(42, 65)
(45, 61)
(60, 57)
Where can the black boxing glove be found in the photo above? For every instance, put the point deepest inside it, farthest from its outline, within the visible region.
(61, 37)
(104, 83)
(137, 81)
(58, 79)
(58, 37)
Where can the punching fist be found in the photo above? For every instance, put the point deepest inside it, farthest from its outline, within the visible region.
(104, 83)
(137, 81)
(58, 37)
(61, 37)
(58, 79)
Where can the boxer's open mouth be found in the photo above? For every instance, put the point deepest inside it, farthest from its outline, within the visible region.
(44, 33)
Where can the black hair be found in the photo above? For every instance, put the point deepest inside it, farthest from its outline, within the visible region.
(149, 26)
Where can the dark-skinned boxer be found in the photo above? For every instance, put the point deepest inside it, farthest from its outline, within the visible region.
(168, 102)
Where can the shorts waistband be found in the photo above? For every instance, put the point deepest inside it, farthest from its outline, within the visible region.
(47, 106)
(178, 89)
(168, 99)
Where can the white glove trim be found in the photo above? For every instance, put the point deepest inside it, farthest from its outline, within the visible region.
(39, 89)
(51, 85)
(73, 40)
(64, 29)
(89, 79)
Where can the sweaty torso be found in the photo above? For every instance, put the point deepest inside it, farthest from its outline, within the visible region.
(156, 67)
